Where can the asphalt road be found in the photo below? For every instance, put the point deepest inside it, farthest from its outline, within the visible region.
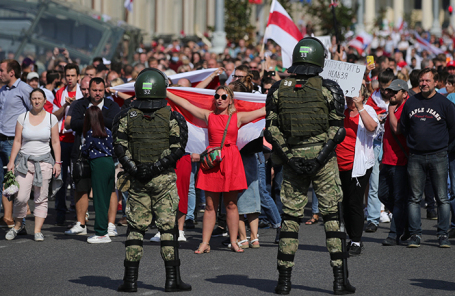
(68, 265)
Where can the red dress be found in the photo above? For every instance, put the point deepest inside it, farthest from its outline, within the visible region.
(230, 174)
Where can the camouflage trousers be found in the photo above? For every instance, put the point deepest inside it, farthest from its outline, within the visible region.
(327, 186)
(158, 197)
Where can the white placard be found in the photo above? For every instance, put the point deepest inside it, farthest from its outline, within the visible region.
(348, 75)
(327, 41)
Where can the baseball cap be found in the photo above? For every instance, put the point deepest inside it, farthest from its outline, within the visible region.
(397, 85)
(27, 62)
(450, 64)
(32, 75)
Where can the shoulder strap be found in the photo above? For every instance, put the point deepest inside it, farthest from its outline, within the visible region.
(225, 131)
(25, 116)
(399, 144)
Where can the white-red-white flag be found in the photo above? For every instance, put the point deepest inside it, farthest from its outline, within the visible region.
(361, 42)
(195, 77)
(203, 98)
(128, 5)
(283, 31)
(423, 44)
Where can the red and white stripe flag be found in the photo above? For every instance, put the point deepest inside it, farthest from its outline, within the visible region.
(361, 42)
(195, 77)
(203, 98)
(128, 5)
(426, 45)
(283, 31)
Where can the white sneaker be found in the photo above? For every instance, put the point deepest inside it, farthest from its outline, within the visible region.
(390, 216)
(156, 238)
(12, 233)
(182, 237)
(77, 230)
(384, 218)
(99, 239)
(39, 237)
(111, 230)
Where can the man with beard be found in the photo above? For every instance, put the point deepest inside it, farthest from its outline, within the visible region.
(393, 180)
(109, 109)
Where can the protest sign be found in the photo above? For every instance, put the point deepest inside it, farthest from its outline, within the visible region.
(348, 75)
(326, 40)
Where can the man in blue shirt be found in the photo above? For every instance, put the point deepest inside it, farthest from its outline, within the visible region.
(14, 100)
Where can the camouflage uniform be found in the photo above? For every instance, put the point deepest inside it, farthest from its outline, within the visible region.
(326, 182)
(149, 139)
(159, 196)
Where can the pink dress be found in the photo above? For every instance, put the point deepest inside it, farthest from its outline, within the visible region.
(230, 174)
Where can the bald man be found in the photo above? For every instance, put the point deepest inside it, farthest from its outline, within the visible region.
(184, 82)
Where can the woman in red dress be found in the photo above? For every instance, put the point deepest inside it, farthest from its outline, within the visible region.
(229, 176)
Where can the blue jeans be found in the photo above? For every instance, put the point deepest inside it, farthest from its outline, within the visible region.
(452, 188)
(268, 205)
(192, 193)
(314, 203)
(5, 153)
(60, 197)
(374, 204)
(437, 165)
(275, 188)
(393, 193)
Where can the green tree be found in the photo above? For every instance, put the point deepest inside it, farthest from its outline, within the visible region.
(237, 20)
(321, 11)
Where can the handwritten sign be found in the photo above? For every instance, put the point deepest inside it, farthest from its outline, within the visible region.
(326, 40)
(349, 76)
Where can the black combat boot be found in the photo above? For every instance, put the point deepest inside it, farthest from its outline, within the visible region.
(339, 288)
(284, 280)
(173, 281)
(130, 277)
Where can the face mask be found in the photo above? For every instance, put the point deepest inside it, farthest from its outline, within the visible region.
(175, 59)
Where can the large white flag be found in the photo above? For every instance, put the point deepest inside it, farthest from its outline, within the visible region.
(283, 31)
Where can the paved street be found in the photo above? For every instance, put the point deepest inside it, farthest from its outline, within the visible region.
(68, 265)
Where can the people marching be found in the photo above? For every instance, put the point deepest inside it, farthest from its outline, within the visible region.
(82, 135)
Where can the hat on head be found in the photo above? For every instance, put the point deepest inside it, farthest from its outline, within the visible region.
(101, 67)
(27, 62)
(450, 64)
(397, 85)
(32, 75)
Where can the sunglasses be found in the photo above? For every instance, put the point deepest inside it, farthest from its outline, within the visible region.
(223, 97)
(237, 76)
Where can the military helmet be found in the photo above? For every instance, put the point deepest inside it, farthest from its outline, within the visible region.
(151, 84)
(309, 50)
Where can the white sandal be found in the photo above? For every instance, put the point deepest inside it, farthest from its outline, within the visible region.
(241, 244)
(252, 243)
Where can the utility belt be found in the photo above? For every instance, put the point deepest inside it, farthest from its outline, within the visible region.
(5, 138)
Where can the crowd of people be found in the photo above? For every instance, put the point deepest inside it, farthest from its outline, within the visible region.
(52, 118)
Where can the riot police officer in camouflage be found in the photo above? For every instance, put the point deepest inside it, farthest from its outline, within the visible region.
(149, 138)
(304, 124)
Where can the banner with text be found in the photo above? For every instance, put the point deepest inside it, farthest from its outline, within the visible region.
(348, 75)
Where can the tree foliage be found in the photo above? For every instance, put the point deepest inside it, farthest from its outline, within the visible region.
(237, 20)
(320, 10)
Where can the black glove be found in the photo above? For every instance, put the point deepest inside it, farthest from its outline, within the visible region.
(296, 164)
(311, 167)
(144, 173)
(156, 169)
